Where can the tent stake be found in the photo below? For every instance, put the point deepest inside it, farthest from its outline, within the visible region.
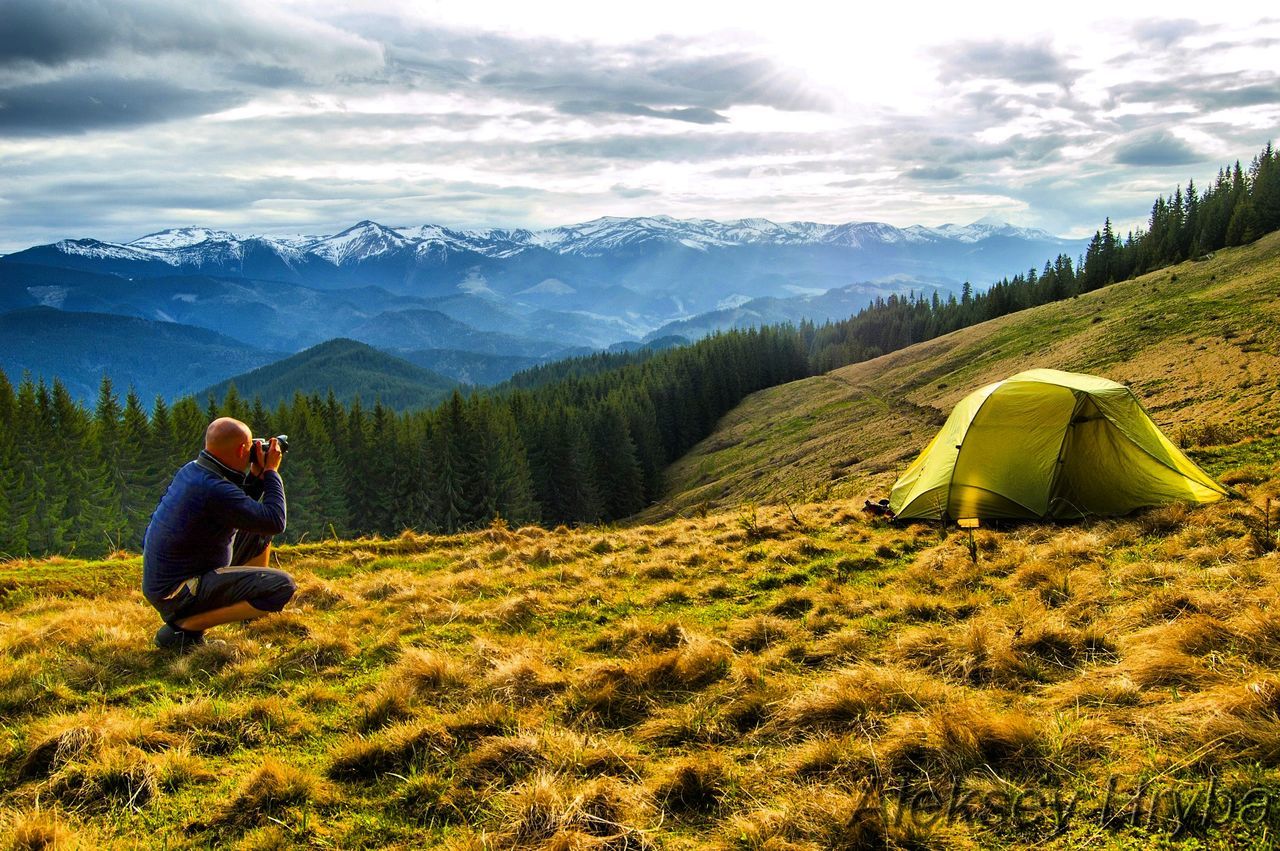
(970, 524)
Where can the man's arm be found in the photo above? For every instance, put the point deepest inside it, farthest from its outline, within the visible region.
(254, 486)
(241, 511)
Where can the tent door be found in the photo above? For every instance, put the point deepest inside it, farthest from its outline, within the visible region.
(1061, 501)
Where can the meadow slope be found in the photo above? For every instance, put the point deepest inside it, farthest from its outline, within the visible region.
(1198, 342)
(764, 679)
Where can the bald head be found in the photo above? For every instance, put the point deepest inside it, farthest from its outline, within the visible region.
(225, 439)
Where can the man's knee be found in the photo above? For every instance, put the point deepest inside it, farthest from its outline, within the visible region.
(277, 589)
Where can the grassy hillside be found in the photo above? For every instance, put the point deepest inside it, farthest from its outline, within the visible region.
(349, 369)
(1199, 343)
(745, 680)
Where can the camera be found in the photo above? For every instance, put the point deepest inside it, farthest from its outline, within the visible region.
(258, 452)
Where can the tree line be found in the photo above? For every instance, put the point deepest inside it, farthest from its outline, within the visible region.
(587, 447)
(585, 440)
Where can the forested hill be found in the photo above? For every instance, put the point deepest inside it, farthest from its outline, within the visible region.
(590, 444)
(347, 369)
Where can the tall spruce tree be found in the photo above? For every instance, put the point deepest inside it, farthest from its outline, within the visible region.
(615, 466)
(11, 544)
(140, 473)
(504, 481)
(165, 452)
(75, 472)
(48, 523)
(108, 456)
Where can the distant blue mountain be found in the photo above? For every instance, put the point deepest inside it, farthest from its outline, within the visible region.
(639, 272)
(156, 358)
(498, 299)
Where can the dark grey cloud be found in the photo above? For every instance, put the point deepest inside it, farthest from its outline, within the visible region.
(267, 76)
(90, 101)
(1024, 148)
(652, 78)
(53, 33)
(232, 51)
(1169, 31)
(1018, 63)
(692, 114)
(1203, 91)
(68, 66)
(1160, 148)
(48, 32)
(993, 105)
(623, 191)
(933, 172)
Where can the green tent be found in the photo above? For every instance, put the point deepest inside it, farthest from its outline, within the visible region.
(1048, 444)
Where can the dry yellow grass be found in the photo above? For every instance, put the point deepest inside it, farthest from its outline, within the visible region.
(813, 684)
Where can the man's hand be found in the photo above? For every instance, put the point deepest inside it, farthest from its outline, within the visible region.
(274, 454)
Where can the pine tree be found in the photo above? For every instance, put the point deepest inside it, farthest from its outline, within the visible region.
(360, 467)
(234, 406)
(88, 501)
(10, 542)
(378, 464)
(107, 457)
(327, 513)
(615, 465)
(46, 493)
(413, 506)
(165, 453)
(140, 473)
(1266, 191)
(189, 424)
(259, 420)
(453, 478)
(505, 481)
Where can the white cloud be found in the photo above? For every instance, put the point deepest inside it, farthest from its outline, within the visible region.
(309, 116)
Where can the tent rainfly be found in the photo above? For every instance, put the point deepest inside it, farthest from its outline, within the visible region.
(1048, 444)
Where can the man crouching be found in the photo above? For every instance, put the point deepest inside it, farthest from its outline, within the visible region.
(205, 551)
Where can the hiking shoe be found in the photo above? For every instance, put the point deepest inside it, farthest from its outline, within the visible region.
(170, 637)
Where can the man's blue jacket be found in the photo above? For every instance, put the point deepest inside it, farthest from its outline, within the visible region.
(192, 528)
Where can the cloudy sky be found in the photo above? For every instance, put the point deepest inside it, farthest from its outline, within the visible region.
(124, 117)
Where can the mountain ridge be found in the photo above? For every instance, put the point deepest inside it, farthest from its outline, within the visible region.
(520, 294)
(368, 238)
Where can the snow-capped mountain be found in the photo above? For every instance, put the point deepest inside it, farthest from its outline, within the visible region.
(181, 238)
(359, 242)
(511, 293)
(200, 246)
(95, 249)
